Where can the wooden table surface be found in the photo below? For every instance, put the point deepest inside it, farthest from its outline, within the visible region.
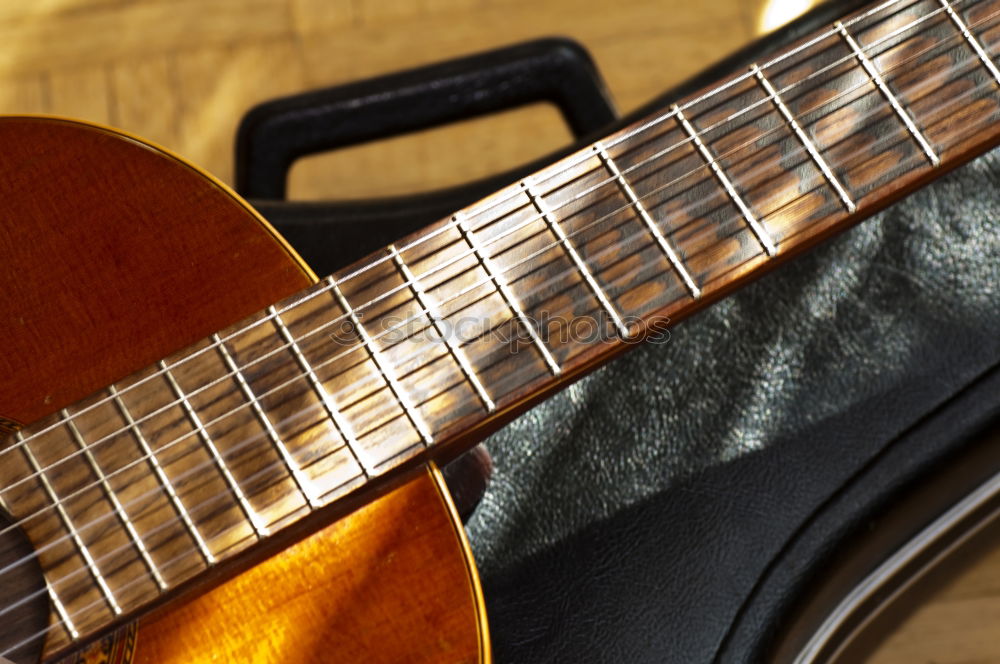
(182, 72)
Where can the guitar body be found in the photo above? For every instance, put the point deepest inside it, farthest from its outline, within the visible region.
(115, 254)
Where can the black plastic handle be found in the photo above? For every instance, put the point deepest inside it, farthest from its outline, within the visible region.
(274, 134)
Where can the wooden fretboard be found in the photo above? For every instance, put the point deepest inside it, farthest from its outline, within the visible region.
(323, 399)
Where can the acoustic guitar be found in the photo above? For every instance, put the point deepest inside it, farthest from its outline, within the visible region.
(202, 436)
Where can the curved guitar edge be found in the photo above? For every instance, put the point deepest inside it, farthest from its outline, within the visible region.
(81, 315)
(921, 539)
(328, 596)
(162, 220)
(180, 160)
(475, 586)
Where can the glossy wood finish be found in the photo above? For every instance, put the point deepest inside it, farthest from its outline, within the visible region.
(530, 288)
(881, 576)
(118, 254)
(141, 218)
(319, 601)
(188, 89)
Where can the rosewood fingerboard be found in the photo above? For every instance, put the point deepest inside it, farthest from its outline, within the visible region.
(320, 402)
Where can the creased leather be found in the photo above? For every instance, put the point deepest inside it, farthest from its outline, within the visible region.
(822, 364)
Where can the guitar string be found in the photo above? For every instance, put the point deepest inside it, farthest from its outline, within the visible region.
(404, 285)
(421, 312)
(212, 501)
(580, 157)
(444, 228)
(819, 181)
(98, 602)
(221, 496)
(556, 278)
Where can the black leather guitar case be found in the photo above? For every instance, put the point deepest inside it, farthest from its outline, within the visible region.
(687, 502)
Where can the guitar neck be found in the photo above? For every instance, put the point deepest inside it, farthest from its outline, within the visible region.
(288, 419)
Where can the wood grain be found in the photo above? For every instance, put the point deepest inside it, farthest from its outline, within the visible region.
(74, 246)
(654, 222)
(956, 622)
(362, 590)
(121, 253)
(641, 47)
(182, 73)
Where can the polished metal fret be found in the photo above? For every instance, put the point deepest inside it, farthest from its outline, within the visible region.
(383, 366)
(512, 302)
(301, 481)
(973, 42)
(113, 497)
(876, 78)
(61, 611)
(339, 421)
(109, 596)
(804, 139)
(165, 482)
(758, 229)
(640, 209)
(425, 302)
(258, 524)
(578, 261)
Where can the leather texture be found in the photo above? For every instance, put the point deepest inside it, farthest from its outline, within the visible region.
(654, 512)
(274, 134)
(674, 505)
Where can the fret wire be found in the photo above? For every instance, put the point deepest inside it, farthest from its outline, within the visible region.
(579, 158)
(876, 78)
(109, 596)
(804, 139)
(113, 497)
(739, 79)
(162, 476)
(301, 481)
(635, 235)
(758, 229)
(616, 141)
(259, 527)
(426, 302)
(973, 42)
(300, 300)
(343, 427)
(61, 612)
(146, 417)
(496, 276)
(36, 433)
(671, 255)
(570, 250)
(382, 366)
